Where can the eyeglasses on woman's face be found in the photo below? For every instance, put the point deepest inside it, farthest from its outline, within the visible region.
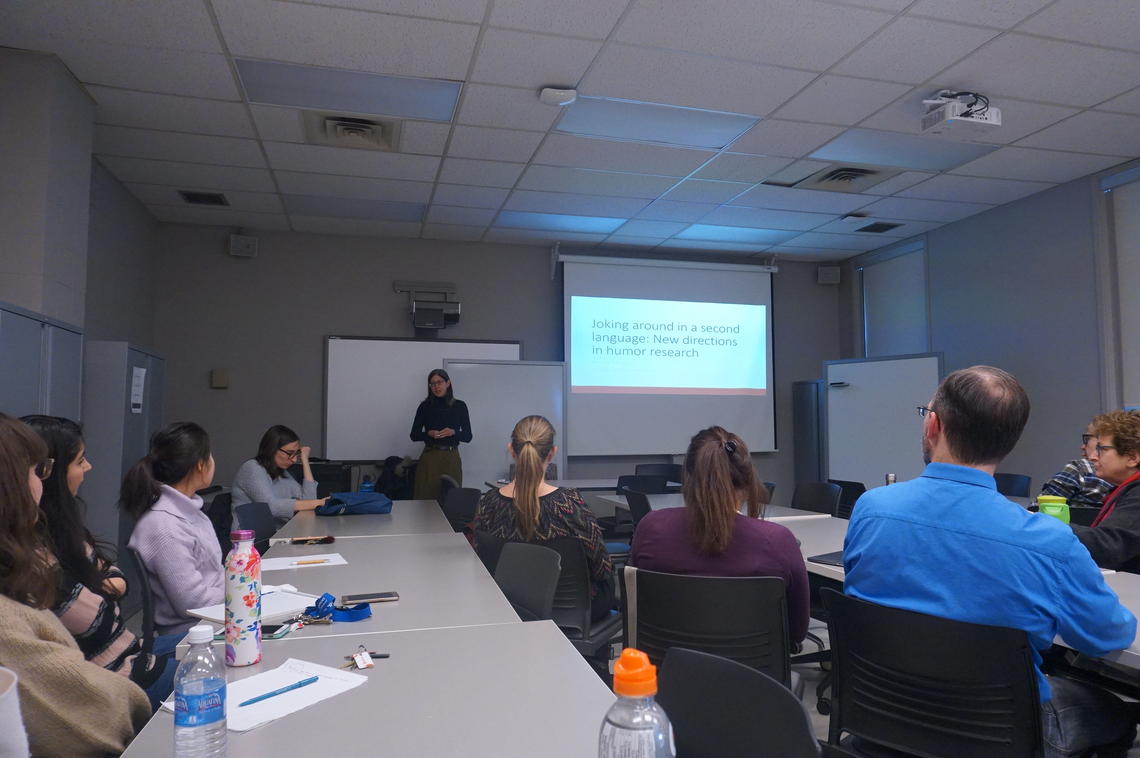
(43, 468)
(437, 383)
(292, 454)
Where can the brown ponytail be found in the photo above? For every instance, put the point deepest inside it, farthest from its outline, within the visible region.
(174, 452)
(718, 475)
(532, 440)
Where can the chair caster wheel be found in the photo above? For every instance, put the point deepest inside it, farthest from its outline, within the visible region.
(823, 705)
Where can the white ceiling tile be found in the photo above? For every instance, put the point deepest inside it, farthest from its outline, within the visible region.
(970, 189)
(349, 39)
(579, 205)
(174, 146)
(453, 232)
(537, 236)
(338, 160)
(470, 197)
(524, 59)
(487, 105)
(790, 138)
(1109, 23)
(668, 210)
(450, 214)
(170, 25)
(149, 110)
(643, 228)
(493, 144)
(913, 50)
(710, 245)
(701, 191)
(188, 175)
(359, 227)
(762, 218)
(1036, 165)
(694, 81)
(742, 168)
(1129, 102)
(880, 148)
(469, 11)
(582, 18)
(797, 172)
(840, 100)
(611, 155)
(1002, 15)
(923, 210)
(258, 202)
(1092, 132)
(794, 33)
(423, 137)
(630, 240)
(344, 207)
(356, 187)
(898, 183)
(904, 229)
(883, 5)
(277, 124)
(482, 173)
(219, 217)
(840, 241)
(1044, 69)
(590, 181)
(790, 199)
(176, 72)
(812, 254)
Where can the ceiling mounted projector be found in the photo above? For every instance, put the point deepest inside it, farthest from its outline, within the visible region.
(962, 114)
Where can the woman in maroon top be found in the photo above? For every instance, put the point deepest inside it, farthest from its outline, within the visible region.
(710, 537)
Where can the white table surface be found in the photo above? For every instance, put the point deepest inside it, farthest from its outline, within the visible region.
(582, 485)
(407, 517)
(502, 690)
(779, 513)
(440, 579)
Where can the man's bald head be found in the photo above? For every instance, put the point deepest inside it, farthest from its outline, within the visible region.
(982, 411)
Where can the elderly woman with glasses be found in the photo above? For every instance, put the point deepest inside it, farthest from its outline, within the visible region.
(1113, 540)
(266, 479)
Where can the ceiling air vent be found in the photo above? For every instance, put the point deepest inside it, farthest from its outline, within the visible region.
(846, 178)
(349, 131)
(878, 227)
(204, 198)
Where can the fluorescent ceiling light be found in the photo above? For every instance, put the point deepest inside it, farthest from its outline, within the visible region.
(329, 89)
(650, 122)
(734, 234)
(346, 207)
(878, 148)
(558, 222)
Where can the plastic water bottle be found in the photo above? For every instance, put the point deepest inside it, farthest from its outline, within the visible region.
(368, 485)
(243, 600)
(635, 726)
(200, 699)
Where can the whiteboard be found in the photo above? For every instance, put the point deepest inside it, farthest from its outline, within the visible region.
(498, 394)
(872, 426)
(373, 387)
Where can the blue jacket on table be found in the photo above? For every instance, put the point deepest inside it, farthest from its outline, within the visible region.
(947, 544)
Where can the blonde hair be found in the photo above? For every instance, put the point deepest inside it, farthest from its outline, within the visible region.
(532, 439)
(718, 472)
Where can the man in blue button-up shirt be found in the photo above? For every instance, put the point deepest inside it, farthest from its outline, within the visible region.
(947, 544)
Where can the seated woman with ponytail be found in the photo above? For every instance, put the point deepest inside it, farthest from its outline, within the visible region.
(173, 537)
(710, 537)
(530, 510)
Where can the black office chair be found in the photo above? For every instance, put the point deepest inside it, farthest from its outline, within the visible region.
(723, 709)
(133, 561)
(671, 471)
(221, 514)
(820, 497)
(528, 576)
(257, 517)
(638, 503)
(446, 484)
(459, 507)
(620, 526)
(742, 618)
(1013, 485)
(849, 493)
(931, 686)
(1083, 515)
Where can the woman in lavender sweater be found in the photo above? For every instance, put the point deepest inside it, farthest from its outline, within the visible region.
(710, 537)
(174, 538)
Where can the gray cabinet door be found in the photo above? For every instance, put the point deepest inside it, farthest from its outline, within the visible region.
(21, 343)
(63, 356)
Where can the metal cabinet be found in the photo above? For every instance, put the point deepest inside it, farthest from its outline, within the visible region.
(41, 362)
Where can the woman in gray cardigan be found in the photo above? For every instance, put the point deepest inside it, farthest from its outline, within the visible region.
(265, 479)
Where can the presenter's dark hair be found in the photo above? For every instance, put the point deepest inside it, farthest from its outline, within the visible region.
(982, 411)
(174, 452)
(532, 439)
(24, 575)
(449, 396)
(274, 439)
(718, 477)
(61, 513)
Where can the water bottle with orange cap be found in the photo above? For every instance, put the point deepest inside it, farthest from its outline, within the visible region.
(635, 726)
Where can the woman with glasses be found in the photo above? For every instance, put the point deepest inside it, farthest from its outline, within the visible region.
(266, 479)
(1113, 540)
(70, 706)
(441, 423)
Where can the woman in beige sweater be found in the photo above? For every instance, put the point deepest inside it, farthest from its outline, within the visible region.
(70, 706)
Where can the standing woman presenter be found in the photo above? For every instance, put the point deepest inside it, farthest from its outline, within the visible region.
(441, 424)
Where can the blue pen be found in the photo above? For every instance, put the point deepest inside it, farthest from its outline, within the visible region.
(286, 688)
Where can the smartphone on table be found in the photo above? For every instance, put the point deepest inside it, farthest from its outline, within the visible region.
(370, 597)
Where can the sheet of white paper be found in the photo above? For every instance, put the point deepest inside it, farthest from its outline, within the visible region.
(138, 386)
(303, 561)
(275, 606)
(243, 718)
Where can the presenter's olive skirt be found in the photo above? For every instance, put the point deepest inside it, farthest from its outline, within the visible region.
(434, 463)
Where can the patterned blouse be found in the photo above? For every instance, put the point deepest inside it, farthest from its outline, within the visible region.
(562, 513)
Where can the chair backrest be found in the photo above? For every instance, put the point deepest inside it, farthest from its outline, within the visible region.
(528, 575)
(723, 709)
(259, 518)
(638, 504)
(221, 514)
(1013, 485)
(821, 497)
(459, 506)
(671, 471)
(651, 484)
(742, 618)
(1083, 515)
(131, 558)
(849, 493)
(931, 686)
(446, 484)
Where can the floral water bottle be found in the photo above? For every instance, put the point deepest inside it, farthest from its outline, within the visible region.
(243, 601)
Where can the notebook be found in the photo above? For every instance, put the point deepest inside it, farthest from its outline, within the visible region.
(829, 559)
